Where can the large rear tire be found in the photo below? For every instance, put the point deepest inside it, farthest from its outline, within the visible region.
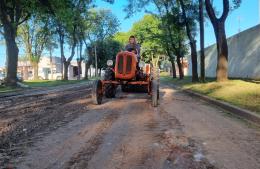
(97, 93)
(110, 89)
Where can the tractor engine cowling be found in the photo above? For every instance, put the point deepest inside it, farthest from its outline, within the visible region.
(125, 67)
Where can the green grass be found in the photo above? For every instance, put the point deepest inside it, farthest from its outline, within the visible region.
(4, 89)
(50, 83)
(42, 83)
(242, 93)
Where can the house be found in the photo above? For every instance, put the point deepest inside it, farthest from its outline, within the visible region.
(50, 69)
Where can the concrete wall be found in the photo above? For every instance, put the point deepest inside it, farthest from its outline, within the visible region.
(244, 55)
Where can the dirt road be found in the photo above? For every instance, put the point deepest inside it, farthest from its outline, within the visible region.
(64, 130)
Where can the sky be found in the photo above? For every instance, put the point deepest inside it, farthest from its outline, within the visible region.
(246, 16)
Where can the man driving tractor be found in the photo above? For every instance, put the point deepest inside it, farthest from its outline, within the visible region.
(133, 46)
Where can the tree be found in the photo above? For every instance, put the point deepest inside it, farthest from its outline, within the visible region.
(106, 50)
(68, 21)
(104, 25)
(149, 36)
(183, 15)
(51, 45)
(202, 53)
(174, 31)
(12, 14)
(34, 34)
(189, 24)
(88, 59)
(220, 34)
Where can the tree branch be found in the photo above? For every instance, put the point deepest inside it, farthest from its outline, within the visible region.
(24, 19)
(211, 12)
(225, 10)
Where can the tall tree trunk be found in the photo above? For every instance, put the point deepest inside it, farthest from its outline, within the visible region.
(35, 71)
(65, 67)
(168, 52)
(11, 55)
(173, 69)
(222, 47)
(51, 63)
(79, 69)
(10, 19)
(180, 67)
(96, 63)
(90, 72)
(202, 53)
(221, 39)
(80, 60)
(192, 42)
(86, 70)
(62, 56)
(66, 62)
(99, 74)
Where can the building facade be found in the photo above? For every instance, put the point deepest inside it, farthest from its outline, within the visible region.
(50, 69)
(244, 56)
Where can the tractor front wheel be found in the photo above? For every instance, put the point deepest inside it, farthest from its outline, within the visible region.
(110, 89)
(97, 92)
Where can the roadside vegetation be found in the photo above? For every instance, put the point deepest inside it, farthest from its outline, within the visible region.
(51, 83)
(241, 93)
(4, 89)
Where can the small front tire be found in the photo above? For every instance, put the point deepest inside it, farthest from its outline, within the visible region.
(110, 89)
(97, 92)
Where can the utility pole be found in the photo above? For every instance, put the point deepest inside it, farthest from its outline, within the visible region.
(96, 60)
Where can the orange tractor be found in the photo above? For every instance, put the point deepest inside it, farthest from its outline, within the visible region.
(130, 74)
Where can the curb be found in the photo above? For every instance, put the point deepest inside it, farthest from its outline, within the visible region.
(246, 114)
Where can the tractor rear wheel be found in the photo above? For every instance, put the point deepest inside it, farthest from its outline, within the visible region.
(97, 93)
(110, 89)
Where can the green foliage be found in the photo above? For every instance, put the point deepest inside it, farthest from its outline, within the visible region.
(34, 34)
(101, 29)
(149, 35)
(104, 24)
(106, 50)
(122, 38)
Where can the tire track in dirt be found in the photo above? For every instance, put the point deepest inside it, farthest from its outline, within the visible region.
(60, 148)
(183, 152)
(145, 138)
(21, 126)
(81, 159)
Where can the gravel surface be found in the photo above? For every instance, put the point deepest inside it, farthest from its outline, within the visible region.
(63, 129)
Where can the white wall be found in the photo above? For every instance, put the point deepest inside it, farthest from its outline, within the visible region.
(244, 56)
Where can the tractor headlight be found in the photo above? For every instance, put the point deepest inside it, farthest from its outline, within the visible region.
(109, 62)
(141, 64)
